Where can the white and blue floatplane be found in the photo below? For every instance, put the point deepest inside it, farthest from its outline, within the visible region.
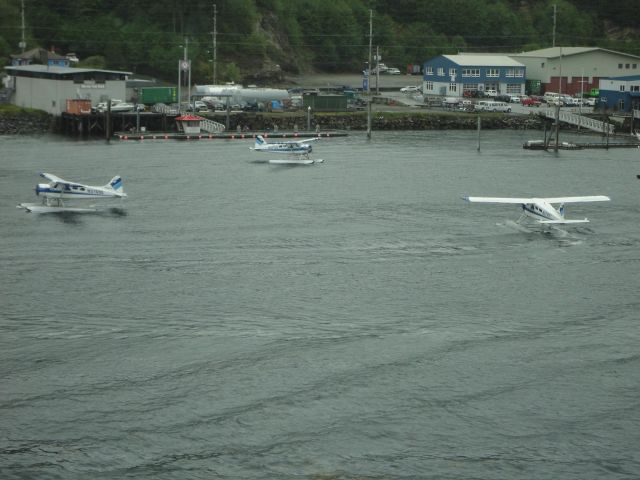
(57, 191)
(298, 151)
(542, 210)
(298, 147)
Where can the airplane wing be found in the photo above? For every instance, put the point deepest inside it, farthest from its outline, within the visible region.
(515, 200)
(589, 198)
(307, 140)
(59, 180)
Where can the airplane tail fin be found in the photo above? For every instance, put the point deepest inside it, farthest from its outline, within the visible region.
(260, 141)
(116, 184)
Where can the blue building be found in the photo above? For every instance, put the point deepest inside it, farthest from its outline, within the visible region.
(468, 74)
(620, 93)
(40, 56)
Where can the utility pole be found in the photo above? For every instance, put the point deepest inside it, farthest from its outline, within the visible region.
(214, 35)
(369, 82)
(23, 43)
(183, 65)
(377, 70)
(554, 25)
(560, 78)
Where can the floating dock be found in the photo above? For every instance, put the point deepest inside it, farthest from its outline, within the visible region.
(223, 135)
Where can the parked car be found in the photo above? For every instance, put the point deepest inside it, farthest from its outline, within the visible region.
(392, 71)
(514, 99)
(411, 89)
(567, 101)
(530, 102)
(591, 102)
(490, 93)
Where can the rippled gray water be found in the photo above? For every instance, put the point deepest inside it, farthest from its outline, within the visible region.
(353, 319)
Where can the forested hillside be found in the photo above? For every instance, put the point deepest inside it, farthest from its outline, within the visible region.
(148, 36)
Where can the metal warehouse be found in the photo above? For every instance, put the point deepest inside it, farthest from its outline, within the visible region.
(48, 88)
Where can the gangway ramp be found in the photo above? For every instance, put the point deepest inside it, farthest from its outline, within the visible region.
(580, 120)
(211, 126)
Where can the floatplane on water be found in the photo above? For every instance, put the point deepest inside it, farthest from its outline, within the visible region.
(298, 149)
(542, 210)
(57, 191)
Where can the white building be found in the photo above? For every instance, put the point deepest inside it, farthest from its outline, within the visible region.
(573, 70)
(48, 88)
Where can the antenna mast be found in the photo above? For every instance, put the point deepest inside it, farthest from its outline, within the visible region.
(214, 35)
(554, 25)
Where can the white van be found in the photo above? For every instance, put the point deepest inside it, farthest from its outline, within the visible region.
(552, 98)
(492, 106)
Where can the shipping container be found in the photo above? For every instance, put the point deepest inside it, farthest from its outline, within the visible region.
(78, 106)
(153, 95)
(325, 103)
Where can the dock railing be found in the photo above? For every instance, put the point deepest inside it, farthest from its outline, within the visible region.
(582, 121)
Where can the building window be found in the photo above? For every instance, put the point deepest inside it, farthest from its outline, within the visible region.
(520, 72)
(429, 70)
(470, 72)
(621, 104)
(634, 66)
(513, 88)
(469, 87)
(619, 65)
(493, 72)
(511, 72)
(428, 86)
(453, 87)
(622, 88)
(440, 71)
(452, 72)
(626, 65)
(542, 65)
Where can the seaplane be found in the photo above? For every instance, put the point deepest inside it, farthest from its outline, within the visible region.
(542, 210)
(298, 147)
(301, 148)
(57, 191)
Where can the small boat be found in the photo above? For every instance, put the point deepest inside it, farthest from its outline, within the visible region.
(534, 145)
(540, 145)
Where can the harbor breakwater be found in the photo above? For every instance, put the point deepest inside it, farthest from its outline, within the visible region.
(16, 121)
(37, 122)
(384, 121)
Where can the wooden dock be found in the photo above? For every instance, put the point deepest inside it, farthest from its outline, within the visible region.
(609, 145)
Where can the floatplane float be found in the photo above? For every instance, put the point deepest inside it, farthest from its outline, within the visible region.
(542, 210)
(57, 191)
(298, 149)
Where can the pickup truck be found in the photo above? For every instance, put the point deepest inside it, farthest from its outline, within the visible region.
(530, 102)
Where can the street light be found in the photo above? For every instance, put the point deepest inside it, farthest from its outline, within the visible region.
(309, 118)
